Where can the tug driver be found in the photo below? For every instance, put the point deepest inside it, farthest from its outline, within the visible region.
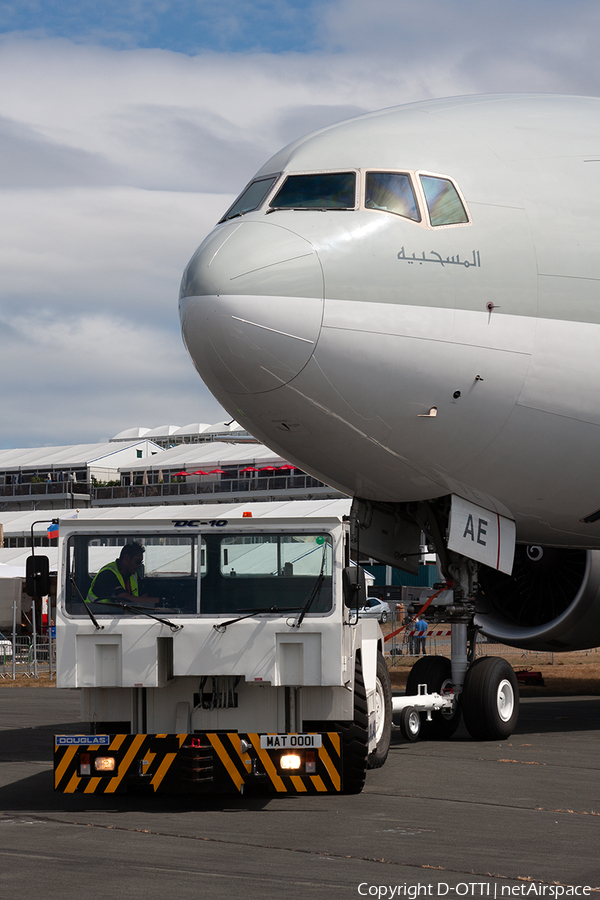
(119, 581)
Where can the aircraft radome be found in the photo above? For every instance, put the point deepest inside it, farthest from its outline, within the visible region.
(407, 305)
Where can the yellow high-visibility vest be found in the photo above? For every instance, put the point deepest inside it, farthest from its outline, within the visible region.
(114, 568)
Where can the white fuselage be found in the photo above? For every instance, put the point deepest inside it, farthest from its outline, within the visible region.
(398, 360)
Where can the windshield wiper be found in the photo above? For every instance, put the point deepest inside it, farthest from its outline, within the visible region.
(316, 590)
(144, 612)
(255, 612)
(273, 209)
(85, 604)
(314, 595)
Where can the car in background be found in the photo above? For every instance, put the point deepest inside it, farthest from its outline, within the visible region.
(375, 609)
(5, 648)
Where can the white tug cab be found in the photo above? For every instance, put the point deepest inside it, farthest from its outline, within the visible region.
(252, 669)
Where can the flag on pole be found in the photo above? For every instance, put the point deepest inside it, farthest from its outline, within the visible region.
(53, 530)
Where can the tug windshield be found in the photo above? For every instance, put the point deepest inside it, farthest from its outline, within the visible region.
(210, 574)
(242, 572)
(168, 570)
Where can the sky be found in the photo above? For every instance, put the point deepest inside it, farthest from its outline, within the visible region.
(127, 128)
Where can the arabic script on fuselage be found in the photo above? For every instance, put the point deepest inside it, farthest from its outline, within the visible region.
(438, 259)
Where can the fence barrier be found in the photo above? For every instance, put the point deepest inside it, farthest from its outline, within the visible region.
(400, 642)
(20, 655)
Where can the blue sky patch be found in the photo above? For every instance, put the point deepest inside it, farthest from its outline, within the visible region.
(184, 26)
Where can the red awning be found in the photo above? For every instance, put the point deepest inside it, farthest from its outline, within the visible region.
(180, 473)
(249, 469)
(199, 472)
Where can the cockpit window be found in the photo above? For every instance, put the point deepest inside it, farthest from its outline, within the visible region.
(444, 204)
(391, 192)
(250, 198)
(331, 190)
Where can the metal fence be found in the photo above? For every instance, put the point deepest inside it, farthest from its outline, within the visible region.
(28, 656)
(404, 643)
(61, 488)
(401, 643)
(214, 486)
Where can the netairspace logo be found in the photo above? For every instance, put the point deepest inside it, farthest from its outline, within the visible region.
(471, 889)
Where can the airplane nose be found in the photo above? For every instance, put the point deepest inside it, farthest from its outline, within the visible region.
(251, 306)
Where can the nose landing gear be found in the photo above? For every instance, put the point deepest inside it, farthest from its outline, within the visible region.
(485, 690)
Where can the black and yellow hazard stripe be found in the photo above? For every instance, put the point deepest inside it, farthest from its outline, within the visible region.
(211, 762)
(139, 758)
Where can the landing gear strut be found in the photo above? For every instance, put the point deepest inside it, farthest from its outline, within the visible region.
(484, 690)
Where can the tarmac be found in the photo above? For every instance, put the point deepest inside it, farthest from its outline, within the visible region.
(510, 818)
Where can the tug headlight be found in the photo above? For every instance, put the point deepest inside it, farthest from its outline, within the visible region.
(290, 761)
(104, 764)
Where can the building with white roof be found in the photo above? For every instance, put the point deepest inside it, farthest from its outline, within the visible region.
(215, 471)
(131, 434)
(196, 432)
(54, 477)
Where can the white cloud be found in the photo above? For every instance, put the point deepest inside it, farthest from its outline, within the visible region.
(89, 310)
(471, 46)
(84, 378)
(114, 164)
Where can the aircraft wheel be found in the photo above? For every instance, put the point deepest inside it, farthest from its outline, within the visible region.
(490, 699)
(410, 723)
(383, 715)
(436, 673)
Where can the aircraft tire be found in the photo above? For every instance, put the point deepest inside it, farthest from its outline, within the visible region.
(410, 723)
(436, 673)
(490, 699)
(383, 715)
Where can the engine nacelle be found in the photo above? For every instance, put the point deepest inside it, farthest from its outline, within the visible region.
(550, 602)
